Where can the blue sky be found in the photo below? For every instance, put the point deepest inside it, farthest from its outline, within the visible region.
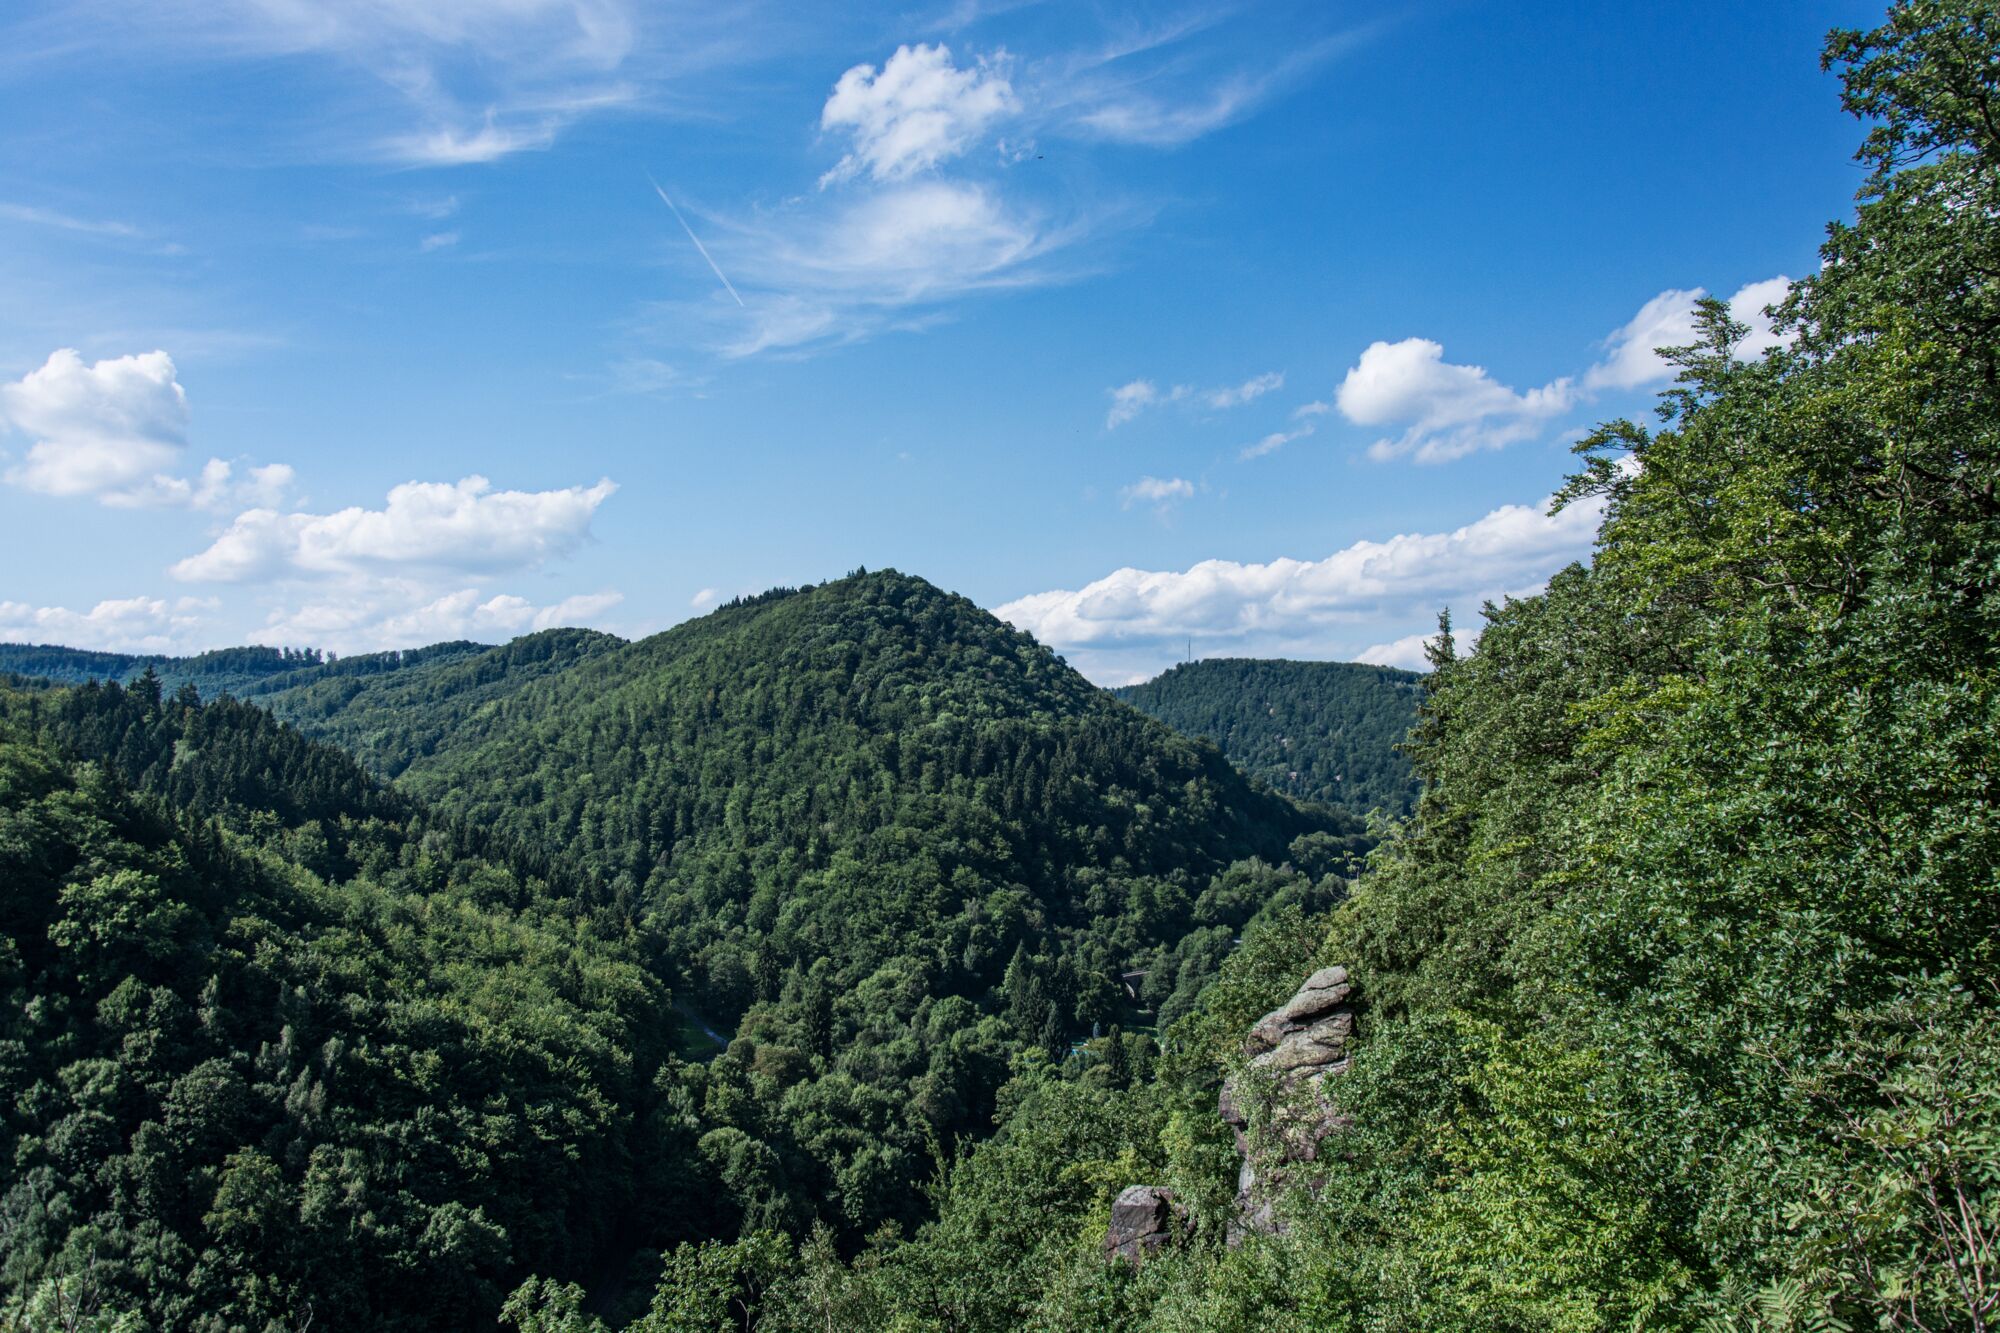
(360, 324)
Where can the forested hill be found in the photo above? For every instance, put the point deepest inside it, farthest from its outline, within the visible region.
(282, 1049)
(223, 671)
(864, 771)
(284, 1040)
(387, 709)
(890, 844)
(1674, 1003)
(241, 671)
(1317, 731)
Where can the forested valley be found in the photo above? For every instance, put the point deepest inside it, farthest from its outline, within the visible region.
(375, 995)
(889, 853)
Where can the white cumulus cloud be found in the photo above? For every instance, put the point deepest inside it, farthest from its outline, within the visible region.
(918, 110)
(114, 431)
(423, 527)
(1632, 359)
(1446, 410)
(120, 625)
(1406, 652)
(111, 429)
(1364, 597)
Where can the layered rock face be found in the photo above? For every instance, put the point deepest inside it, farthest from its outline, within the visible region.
(1278, 1106)
(1279, 1110)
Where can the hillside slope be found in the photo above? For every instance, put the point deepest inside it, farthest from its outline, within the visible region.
(1316, 731)
(1677, 1002)
(387, 709)
(883, 838)
(284, 1048)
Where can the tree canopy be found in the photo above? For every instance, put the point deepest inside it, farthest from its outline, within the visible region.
(1316, 731)
(1680, 1008)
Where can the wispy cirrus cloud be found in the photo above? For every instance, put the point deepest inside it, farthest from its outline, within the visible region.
(439, 84)
(1156, 86)
(886, 258)
(1248, 391)
(1275, 441)
(49, 217)
(1128, 400)
(1135, 397)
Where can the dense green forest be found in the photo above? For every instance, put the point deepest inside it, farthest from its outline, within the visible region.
(869, 776)
(1678, 987)
(1675, 992)
(222, 671)
(898, 850)
(1316, 731)
(389, 709)
(282, 1048)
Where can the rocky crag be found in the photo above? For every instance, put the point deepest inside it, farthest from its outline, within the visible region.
(1278, 1107)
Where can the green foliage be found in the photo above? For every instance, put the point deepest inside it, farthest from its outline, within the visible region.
(882, 839)
(246, 1092)
(1900, 1216)
(387, 709)
(543, 1305)
(222, 671)
(1699, 809)
(1678, 983)
(1316, 731)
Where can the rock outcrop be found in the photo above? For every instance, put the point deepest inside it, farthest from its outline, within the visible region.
(1278, 1105)
(1144, 1220)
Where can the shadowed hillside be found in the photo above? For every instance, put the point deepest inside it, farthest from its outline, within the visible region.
(1316, 731)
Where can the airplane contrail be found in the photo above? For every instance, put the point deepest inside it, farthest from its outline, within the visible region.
(720, 276)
